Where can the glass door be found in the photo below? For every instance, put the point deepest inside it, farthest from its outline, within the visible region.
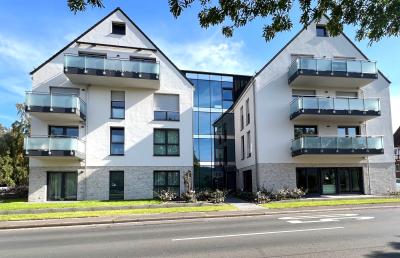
(116, 185)
(328, 178)
(62, 186)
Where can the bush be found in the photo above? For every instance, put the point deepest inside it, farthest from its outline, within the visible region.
(204, 195)
(14, 192)
(218, 196)
(165, 195)
(261, 198)
(189, 196)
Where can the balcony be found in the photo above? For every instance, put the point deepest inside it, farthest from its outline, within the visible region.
(357, 145)
(312, 72)
(108, 72)
(54, 146)
(55, 107)
(334, 108)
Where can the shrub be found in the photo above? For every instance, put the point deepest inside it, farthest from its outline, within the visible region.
(204, 195)
(189, 196)
(218, 196)
(14, 192)
(165, 195)
(261, 198)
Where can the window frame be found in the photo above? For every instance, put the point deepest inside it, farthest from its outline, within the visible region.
(111, 141)
(241, 118)
(169, 115)
(112, 108)
(247, 111)
(305, 126)
(248, 135)
(318, 29)
(64, 130)
(118, 24)
(242, 147)
(167, 185)
(166, 144)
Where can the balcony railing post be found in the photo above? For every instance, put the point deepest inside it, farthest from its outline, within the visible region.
(85, 64)
(50, 143)
(51, 102)
(104, 65)
(140, 69)
(348, 105)
(122, 67)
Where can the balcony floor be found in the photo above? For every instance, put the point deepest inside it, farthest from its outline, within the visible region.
(312, 80)
(331, 115)
(56, 115)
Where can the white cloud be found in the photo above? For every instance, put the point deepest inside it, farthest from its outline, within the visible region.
(214, 54)
(395, 103)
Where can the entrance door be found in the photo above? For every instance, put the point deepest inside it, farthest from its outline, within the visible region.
(247, 181)
(62, 186)
(116, 185)
(328, 181)
(350, 180)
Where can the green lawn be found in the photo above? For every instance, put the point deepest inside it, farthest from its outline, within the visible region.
(21, 204)
(310, 203)
(81, 214)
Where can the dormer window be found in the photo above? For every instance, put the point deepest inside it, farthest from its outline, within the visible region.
(118, 28)
(321, 31)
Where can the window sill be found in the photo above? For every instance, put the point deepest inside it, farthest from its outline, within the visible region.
(154, 155)
(161, 120)
(116, 118)
(117, 154)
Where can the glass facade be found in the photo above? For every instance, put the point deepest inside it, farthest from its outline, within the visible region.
(213, 95)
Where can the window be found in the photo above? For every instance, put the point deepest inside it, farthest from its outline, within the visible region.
(116, 190)
(248, 144)
(64, 91)
(300, 93)
(62, 186)
(247, 112)
(166, 180)
(304, 130)
(227, 96)
(241, 118)
(216, 92)
(166, 142)
(60, 131)
(203, 87)
(321, 31)
(242, 146)
(143, 59)
(118, 28)
(117, 104)
(347, 94)
(166, 107)
(117, 141)
(348, 131)
(204, 123)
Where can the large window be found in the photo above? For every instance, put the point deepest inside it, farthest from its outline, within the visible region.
(227, 97)
(241, 118)
(117, 141)
(348, 131)
(242, 146)
(247, 112)
(248, 144)
(166, 142)
(116, 190)
(205, 123)
(216, 94)
(321, 31)
(304, 130)
(62, 186)
(166, 180)
(118, 28)
(204, 93)
(69, 131)
(166, 107)
(117, 104)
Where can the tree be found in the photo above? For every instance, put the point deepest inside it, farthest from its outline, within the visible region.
(373, 19)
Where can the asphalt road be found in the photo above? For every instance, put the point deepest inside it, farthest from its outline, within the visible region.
(356, 233)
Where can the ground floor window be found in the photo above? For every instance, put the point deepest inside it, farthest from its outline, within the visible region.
(330, 180)
(116, 185)
(62, 186)
(166, 180)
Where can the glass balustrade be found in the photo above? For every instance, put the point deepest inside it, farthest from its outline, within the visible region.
(333, 65)
(44, 143)
(38, 99)
(333, 104)
(338, 143)
(86, 63)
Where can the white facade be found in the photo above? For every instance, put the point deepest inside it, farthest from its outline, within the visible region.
(138, 161)
(273, 166)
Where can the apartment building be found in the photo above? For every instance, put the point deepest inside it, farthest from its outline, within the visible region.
(316, 116)
(396, 138)
(111, 118)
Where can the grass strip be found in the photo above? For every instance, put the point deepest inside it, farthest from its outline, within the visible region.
(310, 203)
(24, 205)
(83, 214)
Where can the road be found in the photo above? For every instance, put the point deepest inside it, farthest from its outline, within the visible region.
(355, 233)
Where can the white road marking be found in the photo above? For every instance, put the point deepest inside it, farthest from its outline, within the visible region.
(324, 218)
(256, 233)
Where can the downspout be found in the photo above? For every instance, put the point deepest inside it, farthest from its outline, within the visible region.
(255, 135)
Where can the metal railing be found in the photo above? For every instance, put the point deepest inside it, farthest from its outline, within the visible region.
(339, 104)
(104, 64)
(55, 100)
(338, 142)
(54, 143)
(333, 65)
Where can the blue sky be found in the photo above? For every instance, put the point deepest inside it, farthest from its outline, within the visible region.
(34, 30)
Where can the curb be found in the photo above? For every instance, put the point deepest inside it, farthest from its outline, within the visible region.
(182, 217)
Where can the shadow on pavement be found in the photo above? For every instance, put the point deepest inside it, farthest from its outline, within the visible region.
(382, 254)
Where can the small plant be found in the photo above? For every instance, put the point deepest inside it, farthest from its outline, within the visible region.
(166, 196)
(189, 196)
(394, 193)
(261, 198)
(204, 195)
(218, 196)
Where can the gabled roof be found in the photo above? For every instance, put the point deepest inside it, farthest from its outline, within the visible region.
(285, 46)
(97, 23)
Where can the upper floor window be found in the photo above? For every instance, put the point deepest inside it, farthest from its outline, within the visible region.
(247, 112)
(118, 28)
(248, 144)
(117, 141)
(118, 104)
(64, 131)
(304, 130)
(166, 142)
(347, 94)
(241, 118)
(166, 107)
(143, 59)
(242, 146)
(321, 31)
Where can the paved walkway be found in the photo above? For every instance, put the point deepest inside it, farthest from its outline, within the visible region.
(243, 205)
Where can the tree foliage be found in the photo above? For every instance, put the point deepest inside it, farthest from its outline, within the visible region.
(373, 19)
(13, 163)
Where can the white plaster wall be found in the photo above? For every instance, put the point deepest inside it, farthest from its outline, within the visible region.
(273, 95)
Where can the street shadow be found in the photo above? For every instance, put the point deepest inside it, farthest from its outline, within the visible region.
(382, 254)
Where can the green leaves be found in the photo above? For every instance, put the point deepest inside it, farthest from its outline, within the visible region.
(80, 5)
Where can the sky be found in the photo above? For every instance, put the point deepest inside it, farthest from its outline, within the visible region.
(32, 31)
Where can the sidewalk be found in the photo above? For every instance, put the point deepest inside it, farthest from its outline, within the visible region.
(177, 216)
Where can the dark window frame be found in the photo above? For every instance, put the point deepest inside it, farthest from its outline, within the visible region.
(121, 108)
(111, 142)
(247, 111)
(166, 144)
(321, 31)
(305, 126)
(118, 28)
(123, 186)
(241, 118)
(64, 130)
(347, 127)
(242, 147)
(167, 185)
(248, 145)
(63, 184)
